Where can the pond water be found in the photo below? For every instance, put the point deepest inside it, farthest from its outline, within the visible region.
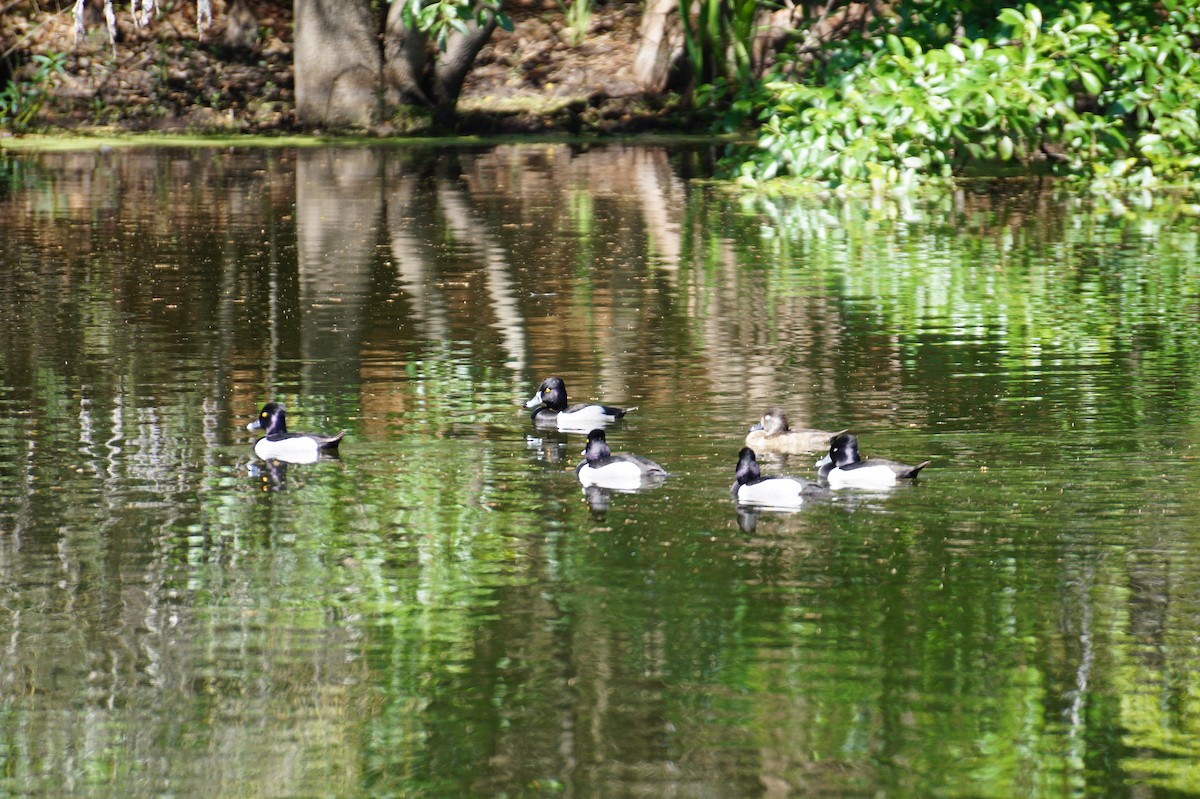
(443, 611)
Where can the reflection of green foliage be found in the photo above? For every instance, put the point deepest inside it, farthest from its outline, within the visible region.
(1159, 702)
(582, 213)
(1012, 282)
(10, 173)
(438, 614)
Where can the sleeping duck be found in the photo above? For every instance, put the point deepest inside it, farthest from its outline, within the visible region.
(773, 434)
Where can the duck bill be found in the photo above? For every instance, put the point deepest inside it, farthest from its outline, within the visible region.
(535, 401)
(255, 425)
(756, 428)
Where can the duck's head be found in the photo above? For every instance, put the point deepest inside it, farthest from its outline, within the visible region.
(774, 422)
(272, 419)
(747, 467)
(597, 447)
(843, 449)
(552, 393)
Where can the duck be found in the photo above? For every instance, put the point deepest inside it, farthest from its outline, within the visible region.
(751, 488)
(772, 434)
(278, 444)
(844, 467)
(551, 409)
(601, 467)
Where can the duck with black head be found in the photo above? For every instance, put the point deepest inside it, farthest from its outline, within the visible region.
(845, 467)
(751, 488)
(278, 444)
(620, 470)
(552, 410)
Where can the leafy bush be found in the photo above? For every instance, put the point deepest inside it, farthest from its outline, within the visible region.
(1075, 93)
(20, 100)
(438, 17)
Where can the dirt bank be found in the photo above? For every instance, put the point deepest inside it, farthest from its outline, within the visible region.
(167, 77)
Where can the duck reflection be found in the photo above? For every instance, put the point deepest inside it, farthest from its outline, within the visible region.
(550, 448)
(271, 474)
(747, 518)
(598, 499)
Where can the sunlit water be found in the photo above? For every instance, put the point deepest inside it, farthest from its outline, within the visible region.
(443, 611)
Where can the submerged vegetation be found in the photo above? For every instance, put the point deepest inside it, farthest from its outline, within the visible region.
(1108, 96)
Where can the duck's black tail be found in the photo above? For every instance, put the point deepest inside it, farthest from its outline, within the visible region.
(330, 442)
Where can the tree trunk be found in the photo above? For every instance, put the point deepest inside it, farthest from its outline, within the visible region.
(241, 26)
(660, 45)
(451, 70)
(338, 67)
(405, 61)
(414, 73)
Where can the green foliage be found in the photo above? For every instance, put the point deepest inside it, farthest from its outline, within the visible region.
(437, 18)
(718, 39)
(578, 15)
(20, 100)
(1116, 105)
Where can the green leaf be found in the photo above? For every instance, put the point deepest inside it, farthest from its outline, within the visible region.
(1011, 17)
(1090, 82)
(1005, 147)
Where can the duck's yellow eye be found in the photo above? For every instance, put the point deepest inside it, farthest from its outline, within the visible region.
(264, 415)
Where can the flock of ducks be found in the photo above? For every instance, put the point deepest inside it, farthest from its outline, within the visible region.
(842, 467)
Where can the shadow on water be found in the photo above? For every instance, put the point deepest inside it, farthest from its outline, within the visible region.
(445, 611)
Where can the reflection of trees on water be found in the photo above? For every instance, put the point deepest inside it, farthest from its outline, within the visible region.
(573, 260)
(410, 245)
(339, 215)
(412, 282)
(468, 229)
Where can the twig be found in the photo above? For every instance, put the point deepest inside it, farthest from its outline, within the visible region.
(28, 35)
(812, 36)
(4, 9)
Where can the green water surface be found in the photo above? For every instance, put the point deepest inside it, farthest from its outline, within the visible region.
(443, 611)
